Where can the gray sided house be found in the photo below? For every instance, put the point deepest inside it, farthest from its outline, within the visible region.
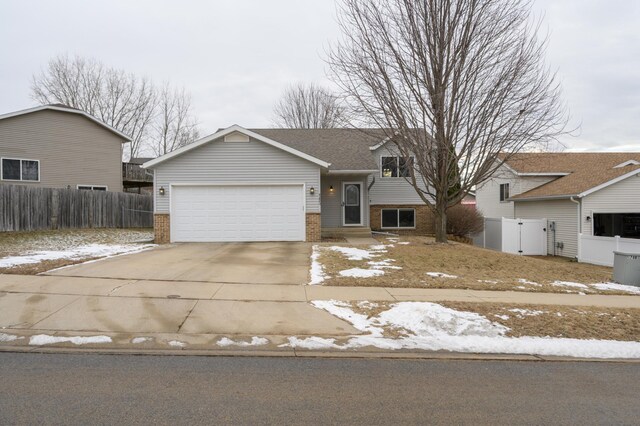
(55, 146)
(591, 201)
(284, 185)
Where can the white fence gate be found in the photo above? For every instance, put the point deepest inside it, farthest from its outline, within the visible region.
(526, 237)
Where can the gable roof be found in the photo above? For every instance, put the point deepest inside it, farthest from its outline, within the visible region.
(235, 128)
(66, 108)
(345, 149)
(580, 173)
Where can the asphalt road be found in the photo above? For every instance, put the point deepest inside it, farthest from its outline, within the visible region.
(122, 389)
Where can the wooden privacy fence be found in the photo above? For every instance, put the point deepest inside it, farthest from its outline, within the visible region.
(26, 208)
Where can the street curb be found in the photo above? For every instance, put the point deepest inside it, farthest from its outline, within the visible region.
(294, 353)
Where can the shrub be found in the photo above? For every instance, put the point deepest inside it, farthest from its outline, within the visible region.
(464, 221)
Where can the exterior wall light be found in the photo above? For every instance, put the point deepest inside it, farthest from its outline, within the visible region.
(312, 190)
(161, 190)
(330, 188)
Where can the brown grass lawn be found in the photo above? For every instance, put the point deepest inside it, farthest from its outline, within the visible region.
(475, 268)
(20, 243)
(575, 322)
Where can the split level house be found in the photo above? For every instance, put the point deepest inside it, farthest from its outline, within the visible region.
(590, 201)
(56, 146)
(284, 185)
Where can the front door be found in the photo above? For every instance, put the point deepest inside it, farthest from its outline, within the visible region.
(352, 203)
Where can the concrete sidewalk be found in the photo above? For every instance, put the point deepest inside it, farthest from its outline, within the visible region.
(179, 291)
(199, 314)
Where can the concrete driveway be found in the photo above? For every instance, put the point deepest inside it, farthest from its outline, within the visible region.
(243, 263)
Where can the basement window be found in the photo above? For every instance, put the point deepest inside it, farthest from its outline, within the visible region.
(625, 225)
(398, 218)
(92, 187)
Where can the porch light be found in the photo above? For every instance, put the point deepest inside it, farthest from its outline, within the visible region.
(161, 190)
(330, 188)
(588, 218)
(312, 190)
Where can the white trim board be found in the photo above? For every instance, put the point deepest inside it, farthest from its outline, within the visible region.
(69, 110)
(220, 134)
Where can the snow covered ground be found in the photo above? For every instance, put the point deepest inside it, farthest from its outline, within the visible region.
(75, 253)
(429, 326)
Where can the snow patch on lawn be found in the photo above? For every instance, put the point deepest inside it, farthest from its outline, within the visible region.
(353, 253)
(92, 250)
(45, 339)
(383, 264)
(317, 269)
(618, 287)
(255, 341)
(440, 275)
(361, 273)
(404, 243)
(433, 327)
(8, 337)
(138, 340)
(176, 344)
(527, 282)
(569, 284)
(521, 313)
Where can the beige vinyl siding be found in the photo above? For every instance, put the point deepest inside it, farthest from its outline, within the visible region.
(488, 194)
(237, 162)
(564, 213)
(331, 200)
(72, 149)
(394, 191)
(621, 197)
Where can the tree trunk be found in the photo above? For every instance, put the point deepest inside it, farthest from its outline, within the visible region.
(441, 222)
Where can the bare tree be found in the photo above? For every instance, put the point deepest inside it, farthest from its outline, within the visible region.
(453, 82)
(124, 101)
(175, 126)
(309, 106)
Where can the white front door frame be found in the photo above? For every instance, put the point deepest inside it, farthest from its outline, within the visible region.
(343, 203)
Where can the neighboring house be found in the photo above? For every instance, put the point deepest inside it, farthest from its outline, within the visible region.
(284, 185)
(135, 179)
(588, 199)
(469, 200)
(56, 146)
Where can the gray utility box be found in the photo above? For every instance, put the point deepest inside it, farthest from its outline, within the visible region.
(626, 268)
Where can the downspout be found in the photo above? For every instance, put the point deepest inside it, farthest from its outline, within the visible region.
(579, 209)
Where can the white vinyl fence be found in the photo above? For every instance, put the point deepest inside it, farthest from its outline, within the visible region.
(599, 250)
(526, 237)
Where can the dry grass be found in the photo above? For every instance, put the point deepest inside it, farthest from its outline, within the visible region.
(20, 243)
(548, 321)
(475, 268)
(560, 321)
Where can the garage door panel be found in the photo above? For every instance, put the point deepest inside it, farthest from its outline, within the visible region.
(237, 213)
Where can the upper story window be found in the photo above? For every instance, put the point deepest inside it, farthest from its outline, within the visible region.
(20, 170)
(396, 166)
(504, 191)
(92, 187)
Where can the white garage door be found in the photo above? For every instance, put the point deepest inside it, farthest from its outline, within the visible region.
(237, 213)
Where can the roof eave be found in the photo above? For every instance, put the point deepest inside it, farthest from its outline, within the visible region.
(72, 111)
(224, 132)
(544, 197)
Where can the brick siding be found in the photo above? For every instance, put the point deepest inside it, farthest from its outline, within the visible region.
(424, 220)
(161, 228)
(313, 227)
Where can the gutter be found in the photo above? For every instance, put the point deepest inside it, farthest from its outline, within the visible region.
(551, 197)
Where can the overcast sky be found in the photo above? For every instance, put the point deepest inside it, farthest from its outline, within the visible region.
(236, 57)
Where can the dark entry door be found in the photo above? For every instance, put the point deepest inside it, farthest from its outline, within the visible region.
(351, 203)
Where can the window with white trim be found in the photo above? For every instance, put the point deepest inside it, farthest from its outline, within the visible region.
(394, 166)
(504, 191)
(20, 169)
(92, 187)
(398, 218)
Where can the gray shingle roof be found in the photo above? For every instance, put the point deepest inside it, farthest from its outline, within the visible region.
(345, 149)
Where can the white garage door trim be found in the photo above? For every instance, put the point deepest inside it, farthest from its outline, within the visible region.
(302, 186)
